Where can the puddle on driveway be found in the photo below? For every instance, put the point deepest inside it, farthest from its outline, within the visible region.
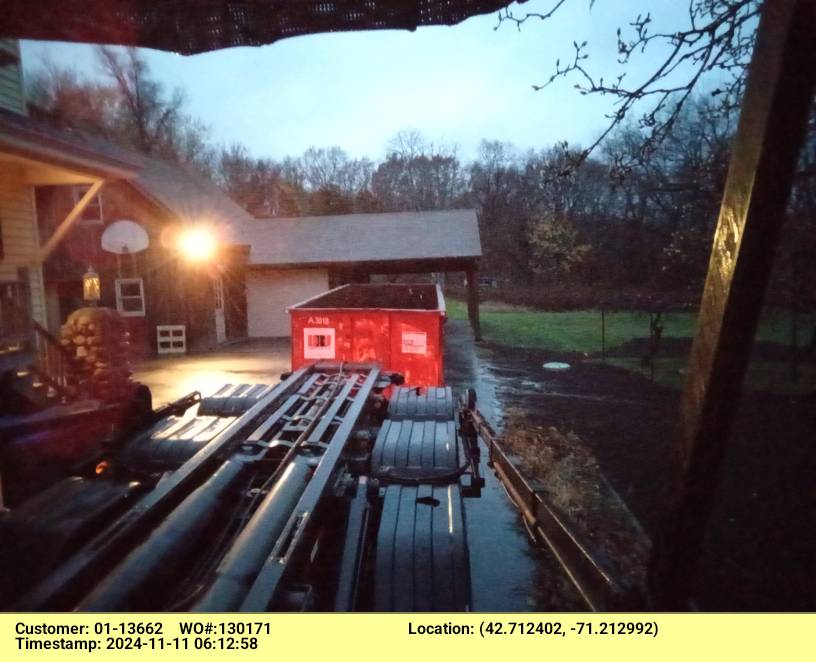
(508, 572)
(170, 378)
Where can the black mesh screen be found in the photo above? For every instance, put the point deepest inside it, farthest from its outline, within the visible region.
(195, 26)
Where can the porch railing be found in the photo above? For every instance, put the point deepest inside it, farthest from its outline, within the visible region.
(15, 320)
(52, 362)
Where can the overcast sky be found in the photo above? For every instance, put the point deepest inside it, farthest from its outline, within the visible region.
(456, 85)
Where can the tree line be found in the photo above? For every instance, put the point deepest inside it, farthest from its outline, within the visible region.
(616, 217)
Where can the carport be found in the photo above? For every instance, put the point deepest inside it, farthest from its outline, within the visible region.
(294, 259)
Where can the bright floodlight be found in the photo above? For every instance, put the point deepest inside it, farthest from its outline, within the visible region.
(197, 244)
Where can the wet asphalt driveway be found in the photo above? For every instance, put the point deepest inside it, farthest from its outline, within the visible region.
(251, 362)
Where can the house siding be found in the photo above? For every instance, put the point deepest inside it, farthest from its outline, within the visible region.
(12, 96)
(175, 292)
(81, 248)
(18, 224)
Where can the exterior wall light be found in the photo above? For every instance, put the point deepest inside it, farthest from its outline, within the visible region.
(197, 244)
(91, 286)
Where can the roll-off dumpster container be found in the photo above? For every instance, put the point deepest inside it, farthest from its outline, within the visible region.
(397, 325)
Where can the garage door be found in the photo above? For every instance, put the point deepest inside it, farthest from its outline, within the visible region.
(270, 292)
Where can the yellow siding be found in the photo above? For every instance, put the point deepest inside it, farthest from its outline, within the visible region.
(12, 96)
(18, 222)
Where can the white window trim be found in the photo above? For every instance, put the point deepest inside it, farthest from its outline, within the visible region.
(171, 339)
(130, 313)
(77, 191)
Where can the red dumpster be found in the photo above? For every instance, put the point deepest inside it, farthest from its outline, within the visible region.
(397, 325)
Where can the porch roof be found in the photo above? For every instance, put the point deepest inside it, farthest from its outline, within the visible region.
(57, 156)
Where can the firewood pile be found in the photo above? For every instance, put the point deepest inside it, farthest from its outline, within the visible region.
(99, 341)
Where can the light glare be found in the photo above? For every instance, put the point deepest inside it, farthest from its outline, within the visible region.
(197, 244)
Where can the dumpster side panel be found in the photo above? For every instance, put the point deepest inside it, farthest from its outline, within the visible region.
(416, 347)
(370, 337)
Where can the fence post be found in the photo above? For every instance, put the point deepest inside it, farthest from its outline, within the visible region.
(473, 303)
(795, 343)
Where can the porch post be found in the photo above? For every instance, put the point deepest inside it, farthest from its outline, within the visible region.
(473, 302)
(771, 129)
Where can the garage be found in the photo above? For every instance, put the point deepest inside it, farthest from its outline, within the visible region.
(293, 259)
(271, 291)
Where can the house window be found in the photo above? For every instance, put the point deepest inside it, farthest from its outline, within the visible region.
(130, 300)
(92, 214)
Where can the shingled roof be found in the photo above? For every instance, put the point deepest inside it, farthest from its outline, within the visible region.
(40, 140)
(190, 197)
(182, 193)
(357, 238)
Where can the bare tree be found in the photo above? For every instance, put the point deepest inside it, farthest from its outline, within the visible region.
(69, 99)
(128, 105)
(718, 37)
(331, 167)
(145, 108)
(418, 175)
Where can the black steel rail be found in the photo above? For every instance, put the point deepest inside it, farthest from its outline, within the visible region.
(236, 526)
(237, 571)
(267, 586)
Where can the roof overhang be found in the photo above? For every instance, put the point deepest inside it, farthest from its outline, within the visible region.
(48, 157)
(402, 266)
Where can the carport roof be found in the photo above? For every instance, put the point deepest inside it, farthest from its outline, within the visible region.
(360, 238)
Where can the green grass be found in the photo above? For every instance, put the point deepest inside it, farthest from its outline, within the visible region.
(573, 331)
(580, 331)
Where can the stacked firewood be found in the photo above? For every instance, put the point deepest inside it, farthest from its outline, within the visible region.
(99, 341)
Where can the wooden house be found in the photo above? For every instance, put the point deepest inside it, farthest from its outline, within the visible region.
(32, 156)
(161, 286)
(59, 191)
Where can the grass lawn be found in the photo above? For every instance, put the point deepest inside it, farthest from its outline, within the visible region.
(572, 331)
(580, 331)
